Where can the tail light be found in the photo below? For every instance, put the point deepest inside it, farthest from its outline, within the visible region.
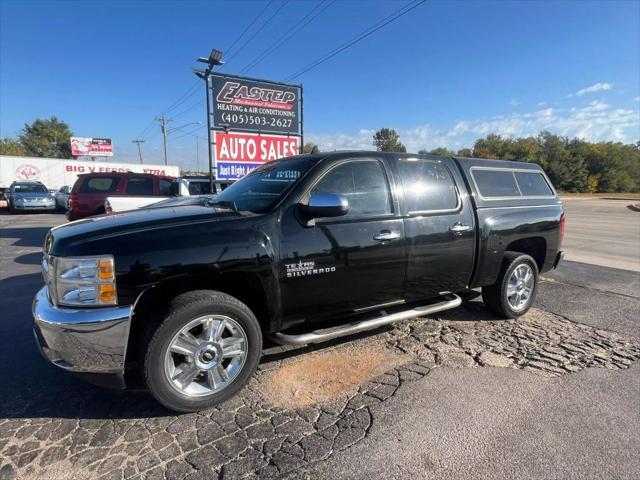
(563, 220)
(108, 209)
(73, 202)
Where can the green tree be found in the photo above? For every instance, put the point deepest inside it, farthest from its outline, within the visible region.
(47, 138)
(310, 147)
(465, 152)
(10, 146)
(567, 172)
(388, 140)
(492, 146)
(442, 151)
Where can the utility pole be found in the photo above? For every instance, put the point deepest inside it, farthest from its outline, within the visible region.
(197, 154)
(139, 141)
(162, 120)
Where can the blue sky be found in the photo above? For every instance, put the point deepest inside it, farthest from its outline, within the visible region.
(443, 75)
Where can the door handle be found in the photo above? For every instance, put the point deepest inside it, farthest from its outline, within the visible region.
(459, 228)
(386, 235)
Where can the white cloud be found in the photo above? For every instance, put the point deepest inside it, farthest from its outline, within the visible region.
(636, 99)
(596, 87)
(596, 121)
(514, 102)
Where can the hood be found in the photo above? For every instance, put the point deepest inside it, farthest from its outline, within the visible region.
(61, 238)
(31, 195)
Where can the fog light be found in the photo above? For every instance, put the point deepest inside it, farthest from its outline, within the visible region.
(107, 293)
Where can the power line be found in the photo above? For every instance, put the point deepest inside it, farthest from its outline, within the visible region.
(258, 31)
(147, 132)
(228, 50)
(188, 109)
(183, 98)
(300, 24)
(369, 31)
(189, 133)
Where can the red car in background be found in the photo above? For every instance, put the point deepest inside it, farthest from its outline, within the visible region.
(92, 189)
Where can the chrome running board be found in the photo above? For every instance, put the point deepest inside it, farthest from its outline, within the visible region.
(323, 335)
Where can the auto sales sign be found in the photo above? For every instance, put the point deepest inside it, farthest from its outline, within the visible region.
(238, 154)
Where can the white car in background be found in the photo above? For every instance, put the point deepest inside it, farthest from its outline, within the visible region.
(62, 197)
(180, 187)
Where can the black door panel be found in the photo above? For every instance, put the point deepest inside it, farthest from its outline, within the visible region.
(439, 228)
(346, 263)
(340, 267)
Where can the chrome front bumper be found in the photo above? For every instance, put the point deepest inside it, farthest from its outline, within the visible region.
(35, 206)
(81, 340)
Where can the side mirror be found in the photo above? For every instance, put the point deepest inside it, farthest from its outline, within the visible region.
(324, 205)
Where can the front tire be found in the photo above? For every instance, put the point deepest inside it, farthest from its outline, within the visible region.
(515, 289)
(204, 351)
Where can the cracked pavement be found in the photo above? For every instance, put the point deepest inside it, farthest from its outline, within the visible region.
(465, 372)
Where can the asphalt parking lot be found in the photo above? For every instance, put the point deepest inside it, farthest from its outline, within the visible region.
(463, 395)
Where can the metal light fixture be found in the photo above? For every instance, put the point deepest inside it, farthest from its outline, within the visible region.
(214, 60)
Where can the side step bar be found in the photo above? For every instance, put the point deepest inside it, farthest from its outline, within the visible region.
(318, 336)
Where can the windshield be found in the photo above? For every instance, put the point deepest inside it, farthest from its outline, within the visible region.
(265, 186)
(29, 188)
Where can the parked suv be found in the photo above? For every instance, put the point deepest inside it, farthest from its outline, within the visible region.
(303, 249)
(92, 189)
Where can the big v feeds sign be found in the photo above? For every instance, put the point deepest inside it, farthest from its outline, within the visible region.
(255, 121)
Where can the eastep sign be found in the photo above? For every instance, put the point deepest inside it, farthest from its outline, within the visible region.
(242, 104)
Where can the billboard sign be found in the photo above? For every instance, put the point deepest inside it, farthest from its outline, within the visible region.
(257, 106)
(239, 153)
(91, 147)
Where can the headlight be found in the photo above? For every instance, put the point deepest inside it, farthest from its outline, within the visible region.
(19, 200)
(83, 281)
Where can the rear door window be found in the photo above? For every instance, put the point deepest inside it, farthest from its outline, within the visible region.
(533, 184)
(199, 188)
(164, 187)
(99, 185)
(496, 183)
(428, 186)
(140, 186)
(364, 185)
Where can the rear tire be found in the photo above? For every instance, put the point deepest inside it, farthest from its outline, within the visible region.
(515, 289)
(203, 352)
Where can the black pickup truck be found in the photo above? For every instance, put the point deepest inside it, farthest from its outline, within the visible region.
(302, 250)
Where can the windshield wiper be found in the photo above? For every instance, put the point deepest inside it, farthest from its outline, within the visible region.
(230, 204)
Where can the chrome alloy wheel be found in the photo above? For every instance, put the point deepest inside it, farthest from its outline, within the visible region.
(520, 287)
(206, 355)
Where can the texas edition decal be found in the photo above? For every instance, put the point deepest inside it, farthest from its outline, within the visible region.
(304, 269)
